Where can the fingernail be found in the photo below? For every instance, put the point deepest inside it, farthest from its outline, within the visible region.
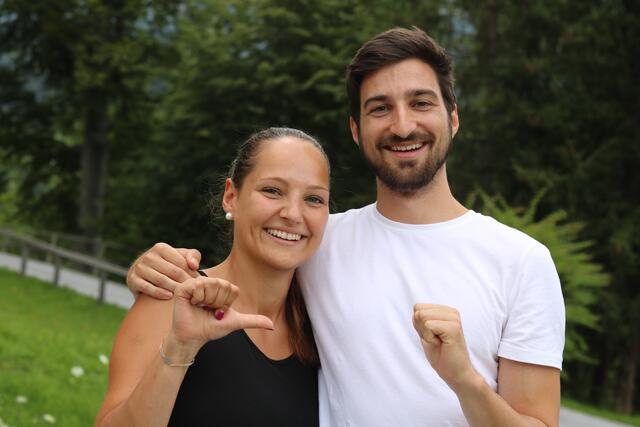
(219, 314)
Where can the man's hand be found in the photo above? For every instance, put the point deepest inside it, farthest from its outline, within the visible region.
(440, 331)
(159, 270)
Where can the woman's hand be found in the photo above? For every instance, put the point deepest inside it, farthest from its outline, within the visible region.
(195, 303)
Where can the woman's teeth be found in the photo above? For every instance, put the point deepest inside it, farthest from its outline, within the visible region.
(284, 235)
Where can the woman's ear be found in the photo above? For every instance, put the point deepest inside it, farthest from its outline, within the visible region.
(230, 195)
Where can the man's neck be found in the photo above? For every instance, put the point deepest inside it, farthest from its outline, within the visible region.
(430, 205)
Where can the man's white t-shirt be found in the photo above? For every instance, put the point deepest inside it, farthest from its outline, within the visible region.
(360, 289)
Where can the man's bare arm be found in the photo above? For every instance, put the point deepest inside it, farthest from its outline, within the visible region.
(528, 395)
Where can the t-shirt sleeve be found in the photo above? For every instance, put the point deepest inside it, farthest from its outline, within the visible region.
(534, 330)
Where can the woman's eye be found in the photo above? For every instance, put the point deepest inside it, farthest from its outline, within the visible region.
(271, 191)
(315, 200)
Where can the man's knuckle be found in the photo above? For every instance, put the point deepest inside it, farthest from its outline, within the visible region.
(164, 281)
(174, 271)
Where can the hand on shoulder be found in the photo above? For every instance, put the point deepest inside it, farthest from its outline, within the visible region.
(160, 269)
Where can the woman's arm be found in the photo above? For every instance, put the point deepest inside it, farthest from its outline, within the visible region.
(142, 386)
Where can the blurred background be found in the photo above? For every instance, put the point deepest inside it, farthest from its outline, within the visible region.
(118, 120)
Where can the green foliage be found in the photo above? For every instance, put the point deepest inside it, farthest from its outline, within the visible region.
(237, 69)
(44, 332)
(545, 105)
(71, 76)
(581, 277)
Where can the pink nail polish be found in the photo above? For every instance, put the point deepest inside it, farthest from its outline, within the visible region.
(219, 314)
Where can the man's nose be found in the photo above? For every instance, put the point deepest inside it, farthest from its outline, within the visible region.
(403, 123)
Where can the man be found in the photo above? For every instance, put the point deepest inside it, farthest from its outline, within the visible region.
(417, 274)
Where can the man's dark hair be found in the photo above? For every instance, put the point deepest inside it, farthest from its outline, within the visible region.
(393, 46)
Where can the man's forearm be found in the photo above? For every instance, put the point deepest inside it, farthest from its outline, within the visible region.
(484, 407)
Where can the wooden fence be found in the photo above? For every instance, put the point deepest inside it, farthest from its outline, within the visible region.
(57, 255)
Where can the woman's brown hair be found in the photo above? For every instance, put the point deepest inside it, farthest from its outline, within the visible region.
(300, 333)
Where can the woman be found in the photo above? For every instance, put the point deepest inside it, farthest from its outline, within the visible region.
(248, 369)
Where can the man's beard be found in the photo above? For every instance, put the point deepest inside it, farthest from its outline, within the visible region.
(421, 176)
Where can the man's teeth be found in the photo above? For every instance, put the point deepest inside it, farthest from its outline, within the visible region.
(283, 235)
(406, 147)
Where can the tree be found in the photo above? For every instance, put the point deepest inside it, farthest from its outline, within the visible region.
(86, 58)
(551, 107)
(237, 69)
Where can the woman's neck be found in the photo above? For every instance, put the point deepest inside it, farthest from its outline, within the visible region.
(263, 290)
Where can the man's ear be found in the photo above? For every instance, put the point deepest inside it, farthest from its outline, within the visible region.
(455, 121)
(230, 195)
(355, 132)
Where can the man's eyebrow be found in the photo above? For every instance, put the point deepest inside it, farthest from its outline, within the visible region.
(420, 92)
(409, 94)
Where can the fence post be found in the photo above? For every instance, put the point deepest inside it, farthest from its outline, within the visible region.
(98, 251)
(103, 282)
(23, 262)
(56, 271)
(54, 242)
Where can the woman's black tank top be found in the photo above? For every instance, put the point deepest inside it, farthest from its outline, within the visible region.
(232, 383)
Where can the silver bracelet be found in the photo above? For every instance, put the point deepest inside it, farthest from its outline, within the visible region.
(168, 361)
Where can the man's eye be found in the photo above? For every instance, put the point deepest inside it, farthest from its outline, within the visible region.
(380, 109)
(422, 104)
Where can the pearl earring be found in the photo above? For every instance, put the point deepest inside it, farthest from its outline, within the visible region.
(228, 216)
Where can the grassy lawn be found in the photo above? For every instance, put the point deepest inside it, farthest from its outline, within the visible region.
(634, 420)
(44, 333)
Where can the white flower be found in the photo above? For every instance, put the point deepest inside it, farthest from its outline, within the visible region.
(49, 418)
(103, 359)
(3, 424)
(77, 371)
(21, 399)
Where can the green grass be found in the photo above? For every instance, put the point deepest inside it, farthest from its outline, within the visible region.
(634, 420)
(44, 332)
